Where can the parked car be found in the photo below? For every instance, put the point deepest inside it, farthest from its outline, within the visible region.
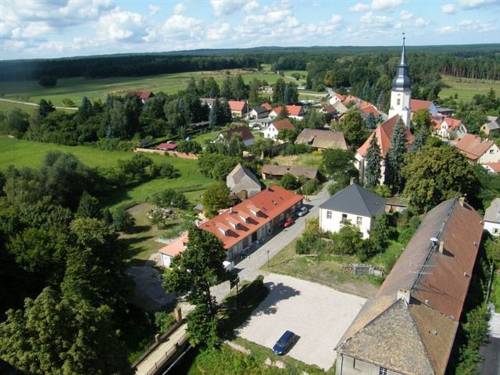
(288, 222)
(302, 211)
(284, 343)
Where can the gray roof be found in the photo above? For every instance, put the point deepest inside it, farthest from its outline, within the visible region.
(492, 123)
(401, 80)
(241, 178)
(492, 213)
(356, 200)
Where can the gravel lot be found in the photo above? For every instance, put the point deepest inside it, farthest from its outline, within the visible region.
(316, 313)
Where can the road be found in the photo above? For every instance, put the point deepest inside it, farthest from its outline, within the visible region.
(491, 351)
(35, 104)
(249, 268)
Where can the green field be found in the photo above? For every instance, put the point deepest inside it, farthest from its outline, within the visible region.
(75, 88)
(466, 88)
(30, 154)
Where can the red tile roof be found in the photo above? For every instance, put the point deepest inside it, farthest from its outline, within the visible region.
(267, 106)
(473, 147)
(367, 108)
(167, 146)
(142, 94)
(237, 105)
(417, 104)
(452, 123)
(495, 167)
(383, 132)
(177, 245)
(248, 216)
(293, 110)
(283, 124)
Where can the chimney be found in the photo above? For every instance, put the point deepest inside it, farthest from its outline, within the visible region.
(441, 247)
(404, 294)
(461, 200)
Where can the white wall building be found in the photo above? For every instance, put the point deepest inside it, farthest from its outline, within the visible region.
(492, 218)
(355, 205)
(401, 91)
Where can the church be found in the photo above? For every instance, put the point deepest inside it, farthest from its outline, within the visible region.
(399, 110)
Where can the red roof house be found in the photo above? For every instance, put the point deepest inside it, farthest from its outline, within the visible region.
(294, 111)
(238, 107)
(167, 146)
(417, 105)
(174, 248)
(144, 95)
(477, 149)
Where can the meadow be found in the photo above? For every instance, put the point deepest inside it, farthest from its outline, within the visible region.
(22, 153)
(75, 89)
(466, 88)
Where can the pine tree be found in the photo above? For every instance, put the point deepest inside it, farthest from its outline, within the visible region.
(396, 158)
(253, 95)
(226, 88)
(373, 160)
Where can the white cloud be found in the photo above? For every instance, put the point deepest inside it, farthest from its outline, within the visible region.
(447, 29)
(182, 27)
(251, 5)
(218, 32)
(376, 22)
(153, 9)
(360, 7)
(449, 8)
(405, 15)
(473, 25)
(420, 22)
(385, 4)
(474, 4)
(179, 8)
(226, 7)
(121, 26)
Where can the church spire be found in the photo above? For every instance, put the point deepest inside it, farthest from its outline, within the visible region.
(403, 52)
(401, 81)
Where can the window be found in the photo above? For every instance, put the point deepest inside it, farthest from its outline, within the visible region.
(359, 219)
(344, 218)
(399, 101)
(382, 371)
(328, 214)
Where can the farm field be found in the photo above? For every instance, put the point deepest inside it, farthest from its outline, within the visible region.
(30, 154)
(466, 88)
(310, 159)
(76, 88)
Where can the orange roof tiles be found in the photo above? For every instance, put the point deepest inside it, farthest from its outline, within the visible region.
(473, 147)
(293, 110)
(383, 132)
(267, 106)
(417, 104)
(175, 247)
(283, 124)
(237, 105)
(452, 123)
(495, 167)
(250, 215)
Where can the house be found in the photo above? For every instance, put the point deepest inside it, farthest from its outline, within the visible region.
(335, 97)
(268, 107)
(395, 204)
(492, 167)
(491, 126)
(353, 204)
(242, 182)
(410, 326)
(340, 108)
(443, 111)
(174, 248)
(478, 150)
(450, 128)
(258, 113)
(294, 111)
(241, 131)
(328, 109)
(271, 171)
(210, 102)
(383, 135)
(366, 108)
(273, 129)
(492, 218)
(167, 146)
(418, 105)
(238, 108)
(253, 220)
(143, 95)
(322, 139)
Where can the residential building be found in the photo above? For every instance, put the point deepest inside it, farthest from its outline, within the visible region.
(481, 151)
(444, 111)
(492, 218)
(492, 167)
(491, 126)
(395, 204)
(238, 108)
(294, 111)
(418, 105)
(268, 107)
(273, 129)
(242, 131)
(401, 91)
(383, 135)
(242, 182)
(167, 146)
(352, 205)
(450, 128)
(253, 220)
(322, 139)
(143, 95)
(272, 171)
(174, 248)
(335, 97)
(340, 108)
(410, 326)
(258, 113)
(209, 102)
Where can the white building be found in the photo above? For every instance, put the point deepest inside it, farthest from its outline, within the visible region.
(492, 218)
(481, 151)
(401, 91)
(450, 128)
(355, 205)
(174, 248)
(273, 129)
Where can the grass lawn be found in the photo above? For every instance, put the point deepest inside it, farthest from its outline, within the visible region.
(30, 154)
(466, 88)
(326, 271)
(312, 159)
(7, 107)
(496, 292)
(76, 88)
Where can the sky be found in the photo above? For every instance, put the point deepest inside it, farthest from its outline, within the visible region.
(57, 28)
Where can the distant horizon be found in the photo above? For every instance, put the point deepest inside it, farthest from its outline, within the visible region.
(75, 28)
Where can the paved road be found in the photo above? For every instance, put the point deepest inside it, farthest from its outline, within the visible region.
(249, 268)
(35, 104)
(491, 352)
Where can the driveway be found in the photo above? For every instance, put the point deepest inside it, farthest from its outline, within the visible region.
(491, 351)
(318, 314)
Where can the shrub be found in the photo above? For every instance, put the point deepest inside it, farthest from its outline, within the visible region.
(347, 241)
(189, 147)
(122, 220)
(310, 187)
(167, 170)
(163, 321)
(289, 182)
(169, 198)
(335, 187)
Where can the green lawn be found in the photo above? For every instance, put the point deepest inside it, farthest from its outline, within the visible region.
(30, 154)
(7, 107)
(310, 159)
(325, 271)
(466, 88)
(75, 88)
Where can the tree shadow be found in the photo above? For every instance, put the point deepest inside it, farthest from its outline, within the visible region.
(277, 292)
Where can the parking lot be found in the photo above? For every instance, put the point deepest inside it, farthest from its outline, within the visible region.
(317, 314)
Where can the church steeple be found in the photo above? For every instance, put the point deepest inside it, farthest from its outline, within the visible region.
(401, 90)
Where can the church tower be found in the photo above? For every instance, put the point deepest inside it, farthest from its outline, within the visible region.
(401, 91)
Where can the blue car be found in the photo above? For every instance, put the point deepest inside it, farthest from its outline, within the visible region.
(284, 343)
